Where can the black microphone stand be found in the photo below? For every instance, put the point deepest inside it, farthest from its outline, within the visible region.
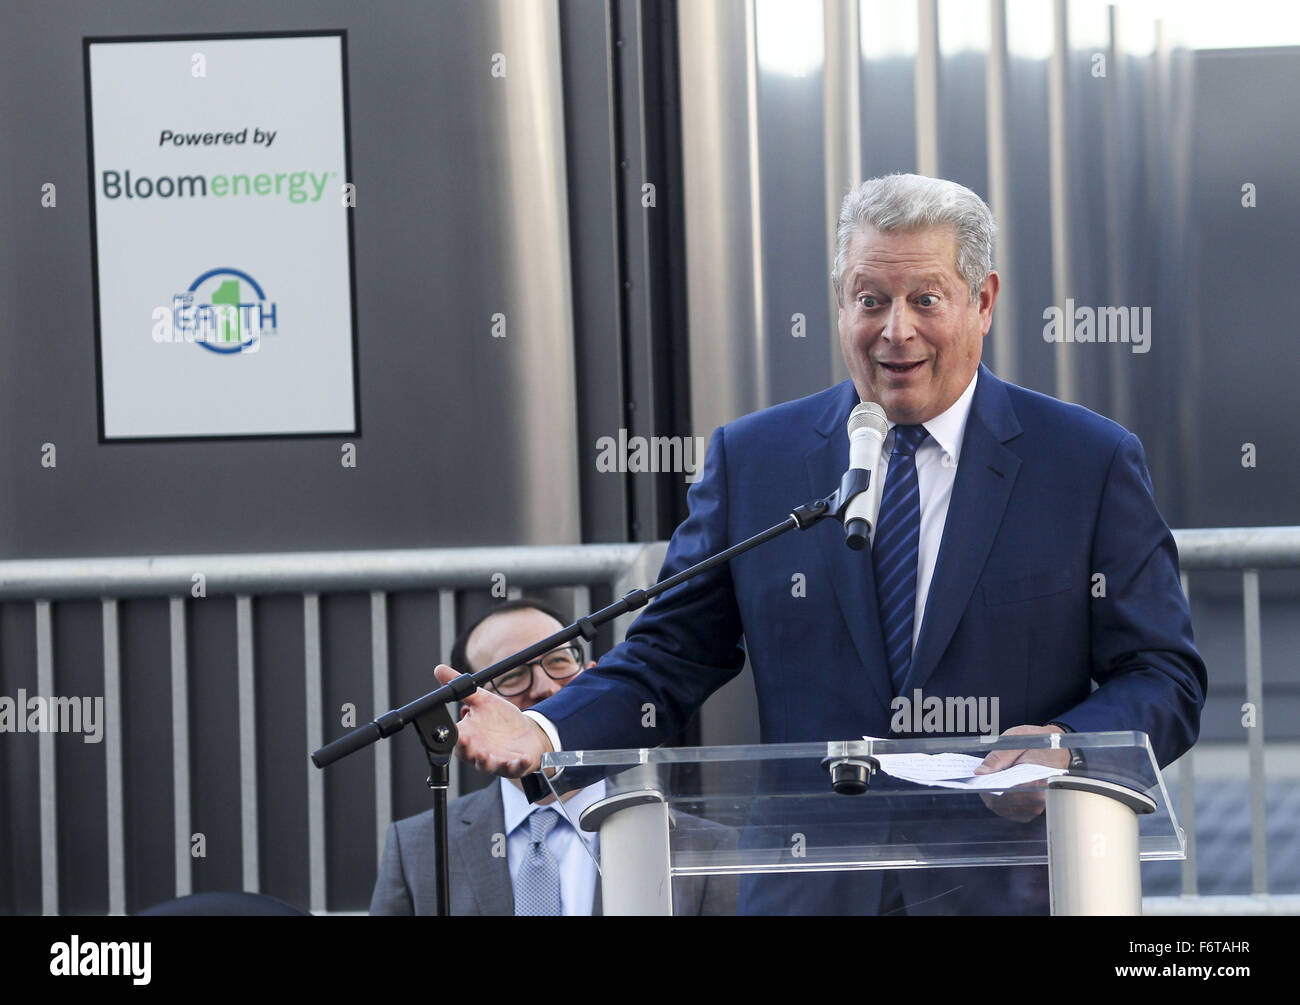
(433, 722)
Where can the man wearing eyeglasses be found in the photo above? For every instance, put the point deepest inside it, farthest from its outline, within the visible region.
(505, 855)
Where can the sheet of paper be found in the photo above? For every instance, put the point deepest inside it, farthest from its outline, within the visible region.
(1017, 774)
(927, 768)
(957, 771)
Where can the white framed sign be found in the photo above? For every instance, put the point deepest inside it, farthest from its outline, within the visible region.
(221, 235)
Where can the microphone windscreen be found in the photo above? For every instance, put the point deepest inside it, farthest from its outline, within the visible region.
(868, 415)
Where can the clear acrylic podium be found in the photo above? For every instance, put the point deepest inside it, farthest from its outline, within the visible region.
(671, 814)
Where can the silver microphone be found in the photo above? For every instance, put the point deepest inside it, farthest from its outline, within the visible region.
(867, 429)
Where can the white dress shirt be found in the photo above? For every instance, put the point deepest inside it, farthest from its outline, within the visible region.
(570, 847)
(936, 472)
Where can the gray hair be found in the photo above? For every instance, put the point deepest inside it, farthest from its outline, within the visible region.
(907, 202)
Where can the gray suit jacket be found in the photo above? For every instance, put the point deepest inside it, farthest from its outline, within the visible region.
(480, 881)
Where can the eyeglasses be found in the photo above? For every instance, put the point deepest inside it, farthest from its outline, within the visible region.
(558, 664)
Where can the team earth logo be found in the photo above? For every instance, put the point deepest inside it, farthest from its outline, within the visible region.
(224, 310)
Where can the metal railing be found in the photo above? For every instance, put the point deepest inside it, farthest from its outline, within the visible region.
(381, 573)
(310, 574)
(1248, 549)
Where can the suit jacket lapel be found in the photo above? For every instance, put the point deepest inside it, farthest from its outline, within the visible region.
(851, 575)
(986, 474)
(478, 820)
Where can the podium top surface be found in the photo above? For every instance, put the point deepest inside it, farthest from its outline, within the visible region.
(901, 803)
(1136, 742)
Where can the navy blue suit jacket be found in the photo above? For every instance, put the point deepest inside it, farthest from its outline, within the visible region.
(1047, 495)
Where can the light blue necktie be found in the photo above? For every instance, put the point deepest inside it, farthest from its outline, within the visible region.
(537, 885)
(894, 550)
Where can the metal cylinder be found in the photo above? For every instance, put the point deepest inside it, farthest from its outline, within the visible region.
(635, 874)
(1092, 846)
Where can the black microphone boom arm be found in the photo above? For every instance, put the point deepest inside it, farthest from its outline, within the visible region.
(855, 481)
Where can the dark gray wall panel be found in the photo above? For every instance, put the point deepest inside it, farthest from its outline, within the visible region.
(147, 763)
(434, 156)
(350, 783)
(20, 869)
(281, 747)
(1246, 261)
(79, 766)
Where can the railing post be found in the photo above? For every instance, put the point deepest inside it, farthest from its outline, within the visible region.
(114, 811)
(247, 742)
(1255, 735)
(381, 704)
(1187, 798)
(182, 817)
(313, 687)
(49, 781)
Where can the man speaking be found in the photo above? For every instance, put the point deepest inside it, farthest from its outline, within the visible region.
(1000, 511)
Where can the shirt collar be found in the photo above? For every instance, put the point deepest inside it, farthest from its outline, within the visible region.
(948, 428)
(517, 808)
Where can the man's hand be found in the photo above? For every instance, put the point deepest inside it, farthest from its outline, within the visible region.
(1024, 802)
(999, 760)
(494, 735)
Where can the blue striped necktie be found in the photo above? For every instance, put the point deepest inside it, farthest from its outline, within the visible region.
(894, 549)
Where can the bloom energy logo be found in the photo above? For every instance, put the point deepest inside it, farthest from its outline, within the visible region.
(225, 311)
